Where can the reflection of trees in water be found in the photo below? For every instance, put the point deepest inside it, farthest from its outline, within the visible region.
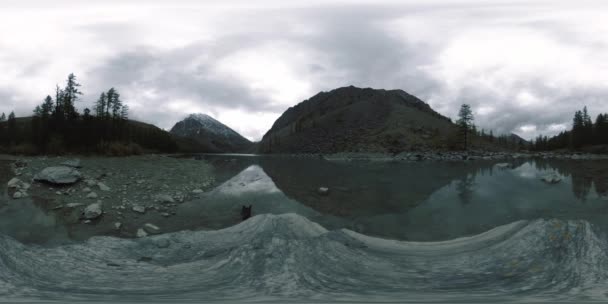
(584, 175)
(464, 187)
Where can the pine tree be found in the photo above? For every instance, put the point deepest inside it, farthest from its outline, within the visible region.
(578, 129)
(2, 117)
(465, 123)
(12, 127)
(124, 112)
(47, 107)
(70, 96)
(100, 107)
(37, 112)
(110, 98)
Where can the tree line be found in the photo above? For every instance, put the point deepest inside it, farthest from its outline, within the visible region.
(57, 126)
(584, 132)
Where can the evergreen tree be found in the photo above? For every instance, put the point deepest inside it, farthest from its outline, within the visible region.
(12, 128)
(465, 123)
(70, 96)
(601, 129)
(578, 129)
(87, 114)
(47, 107)
(100, 106)
(110, 98)
(2, 117)
(124, 112)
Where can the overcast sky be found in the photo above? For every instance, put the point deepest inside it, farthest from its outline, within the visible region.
(524, 66)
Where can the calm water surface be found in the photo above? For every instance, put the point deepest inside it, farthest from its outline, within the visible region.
(388, 232)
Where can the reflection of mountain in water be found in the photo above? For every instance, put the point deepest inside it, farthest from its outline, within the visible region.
(366, 188)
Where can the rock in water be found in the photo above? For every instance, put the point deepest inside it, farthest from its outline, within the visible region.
(103, 187)
(74, 163)
(504, 166)
(323, 191)
(19, 194)
(92, 211)
(117, 225)
(197, 191)
(141, 233)
(151, 228)
(60, 175)
(551, 178)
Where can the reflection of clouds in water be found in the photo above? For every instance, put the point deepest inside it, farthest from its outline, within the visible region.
(526, 170)
(251, 180)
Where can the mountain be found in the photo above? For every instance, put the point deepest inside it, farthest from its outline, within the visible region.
(210, 134)
(352, 119)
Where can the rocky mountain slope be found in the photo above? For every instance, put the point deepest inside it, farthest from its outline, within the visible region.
(352, 119)
(210, 134)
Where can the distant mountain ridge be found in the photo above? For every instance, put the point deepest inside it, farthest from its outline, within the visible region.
(210, 134)
(358, 120)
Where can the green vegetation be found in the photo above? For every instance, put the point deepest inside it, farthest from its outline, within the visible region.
(584, 133)
(465, 123)
(57, 127)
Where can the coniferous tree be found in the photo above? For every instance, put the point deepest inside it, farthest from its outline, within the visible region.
(47, 107)
(12, 128)
(100, 107)
(2, 117)
(578, 129)
(70, 96)
(465, 123)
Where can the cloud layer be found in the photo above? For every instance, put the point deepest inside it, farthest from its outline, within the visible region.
(524, 66)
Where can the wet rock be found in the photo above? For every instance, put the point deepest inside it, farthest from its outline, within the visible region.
(86, 190)
(103, 187)
(92, 211)
(165, 214)
(323, 191)
(60, 175)
(165, 199)
(117, 225)
(551, 178)
(74, 163)
(197, 191)
(141, 233)
(151, 228)
(90, 182)
(139, 209)
(92, 195)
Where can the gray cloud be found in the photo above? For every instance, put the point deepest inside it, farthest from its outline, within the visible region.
(165, 72)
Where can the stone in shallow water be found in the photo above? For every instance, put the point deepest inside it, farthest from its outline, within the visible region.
(92, 195)
(60, 175)
(165, 199)
(19, 194)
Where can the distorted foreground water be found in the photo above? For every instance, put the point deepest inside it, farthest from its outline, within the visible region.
(387, 232)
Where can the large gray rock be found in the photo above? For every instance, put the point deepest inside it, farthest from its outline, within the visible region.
(60, 175)
(92, 211)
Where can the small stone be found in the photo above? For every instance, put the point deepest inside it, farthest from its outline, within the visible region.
(74, 163)
(73, 205)
(86, 190)
(92, 195)
(90, 182)
(197, 191)
(18, 195)
(103, 187)
(117, 225)
(165, 214)
(165, 199)
(59, 193)
(87, 221)
(141, 233)
(151, 228)
(92, 211)
(323, 191)
(139, 209)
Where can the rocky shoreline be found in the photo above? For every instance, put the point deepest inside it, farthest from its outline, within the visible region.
(128, 196)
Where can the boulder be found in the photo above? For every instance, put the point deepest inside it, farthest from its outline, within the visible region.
(60, 175)
(16, 183)
(92, 211)
(74, 163)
